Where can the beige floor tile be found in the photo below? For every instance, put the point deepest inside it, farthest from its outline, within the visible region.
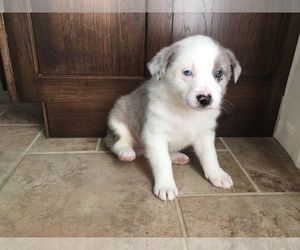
(84, 195)
(236, 216)
(190, 178)
(93, 243)
(13, 143)
(23, 114)
(267, 163)
(243, 243)
(64, 144)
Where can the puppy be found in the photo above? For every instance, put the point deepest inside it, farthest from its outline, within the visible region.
(177, 108)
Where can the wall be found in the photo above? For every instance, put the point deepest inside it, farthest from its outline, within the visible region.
(287, 130)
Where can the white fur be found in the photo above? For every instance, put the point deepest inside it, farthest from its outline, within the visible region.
(175, 120)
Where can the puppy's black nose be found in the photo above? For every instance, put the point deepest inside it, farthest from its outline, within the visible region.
(204, 100)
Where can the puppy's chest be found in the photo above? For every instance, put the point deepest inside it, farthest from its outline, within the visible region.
(183, 130)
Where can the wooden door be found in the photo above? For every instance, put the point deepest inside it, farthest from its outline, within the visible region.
(77, 65)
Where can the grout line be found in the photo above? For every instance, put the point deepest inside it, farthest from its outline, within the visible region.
(239, 194)
(9, 174)
(221, 139)
(184, 244)
(20, 159)
(98, 144)
(34, 141)
(241, 166)
(181, 219)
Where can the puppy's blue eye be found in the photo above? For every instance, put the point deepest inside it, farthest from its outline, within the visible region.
(188, 72)
(219, 73)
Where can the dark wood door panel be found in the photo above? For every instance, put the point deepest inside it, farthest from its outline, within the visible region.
(242, 124)
(83, 90)
(22, 53)
(76, 119)
(251, 36)
(159, 32)
(78, 107)
(245, 108)
(102, 44)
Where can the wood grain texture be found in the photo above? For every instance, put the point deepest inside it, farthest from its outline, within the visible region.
(18, 26)
(76, 119)
(63, 90)
(245, 107)
(159, 27)
(81, 106)
(103, 44)
(285, 49)
(6, 66)
(251, 36)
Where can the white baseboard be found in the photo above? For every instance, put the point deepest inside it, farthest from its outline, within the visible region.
(287, 131)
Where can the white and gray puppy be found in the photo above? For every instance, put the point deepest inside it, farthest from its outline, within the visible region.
(177, 108)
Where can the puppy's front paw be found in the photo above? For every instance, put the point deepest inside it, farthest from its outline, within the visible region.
(220, 179)
(126, 154)
(166, 191)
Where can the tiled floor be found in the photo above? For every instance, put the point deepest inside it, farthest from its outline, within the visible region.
(75, 188)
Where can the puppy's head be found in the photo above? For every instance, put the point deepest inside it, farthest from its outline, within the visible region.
(197, 69)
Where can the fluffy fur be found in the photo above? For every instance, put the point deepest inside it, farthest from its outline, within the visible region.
(177, 108)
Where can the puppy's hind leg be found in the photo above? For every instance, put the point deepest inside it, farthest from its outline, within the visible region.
(123, 147)
(178, 158)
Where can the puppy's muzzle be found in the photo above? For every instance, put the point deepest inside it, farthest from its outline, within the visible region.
(204, 100)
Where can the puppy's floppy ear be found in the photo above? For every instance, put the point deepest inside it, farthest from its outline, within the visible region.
(235, 65)
(160, 62)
